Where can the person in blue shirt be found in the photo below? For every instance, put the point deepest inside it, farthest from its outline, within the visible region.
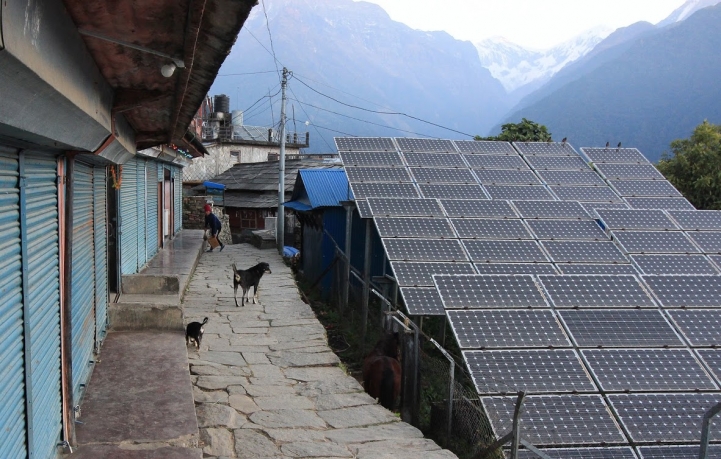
(213, 224)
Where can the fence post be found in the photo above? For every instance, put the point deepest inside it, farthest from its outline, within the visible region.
(408, 395)
(366, 283)
(705, 428)
(451, 384)
(517, 425)
(346, 274)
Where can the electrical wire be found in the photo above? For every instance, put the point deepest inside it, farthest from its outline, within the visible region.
(312, 124)
(254, 103)
(246, 73)
(267, 26)
(345, 92)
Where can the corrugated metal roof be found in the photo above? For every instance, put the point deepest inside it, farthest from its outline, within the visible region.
(326, 187)
(264, 176)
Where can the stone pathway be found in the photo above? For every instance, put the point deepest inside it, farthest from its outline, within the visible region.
(265, 382)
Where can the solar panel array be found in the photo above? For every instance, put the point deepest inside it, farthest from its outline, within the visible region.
(586, 280)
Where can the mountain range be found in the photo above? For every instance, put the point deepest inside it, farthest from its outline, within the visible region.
(357, 72)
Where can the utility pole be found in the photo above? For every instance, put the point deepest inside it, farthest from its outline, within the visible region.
(280, 221)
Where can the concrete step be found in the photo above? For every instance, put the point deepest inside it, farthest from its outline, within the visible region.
(139, 403)
(131, 314)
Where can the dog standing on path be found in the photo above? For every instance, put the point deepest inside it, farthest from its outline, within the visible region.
(248, 278)
(194, 332)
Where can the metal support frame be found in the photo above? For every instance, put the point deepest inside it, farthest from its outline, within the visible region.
(345, 291)
(517, 425)
(451, 384)
(706, 428)
(366, 282)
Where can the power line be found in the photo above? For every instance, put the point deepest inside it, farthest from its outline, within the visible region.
(275, 60)
(246, 73)
(267, 26)
(308, 117)
(254, 103)
(381, 112)
(344, 92)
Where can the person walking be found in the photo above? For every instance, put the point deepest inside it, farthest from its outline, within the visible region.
(213, 224)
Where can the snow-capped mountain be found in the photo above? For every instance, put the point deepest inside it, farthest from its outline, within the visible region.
(686, 10)
(515, 66)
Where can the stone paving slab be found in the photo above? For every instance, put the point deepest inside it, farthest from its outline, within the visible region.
(266, 384)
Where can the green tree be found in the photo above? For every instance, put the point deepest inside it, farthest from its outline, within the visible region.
(525, 131)
(695, 166)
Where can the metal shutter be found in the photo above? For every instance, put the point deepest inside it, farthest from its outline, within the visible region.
(100, 198)
(12, 387)
(178, 205)
(83, 277)
(151, 226)
(41, 262)
(140, 200)
(129, 219)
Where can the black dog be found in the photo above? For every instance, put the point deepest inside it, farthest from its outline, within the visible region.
(246, 279)
(194, 331)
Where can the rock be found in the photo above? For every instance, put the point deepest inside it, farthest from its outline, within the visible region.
(287, 418)
(243, 403)
(315, 449)
(217, 442)
(214, 414)
(251, 444)
(357, 416)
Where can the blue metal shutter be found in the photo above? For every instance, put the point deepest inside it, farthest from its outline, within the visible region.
(140, 207)
(129, 219)
(151, 227)
(83, 278)
(41, 262)
(12, 376)
(178, 205)
(100, 198)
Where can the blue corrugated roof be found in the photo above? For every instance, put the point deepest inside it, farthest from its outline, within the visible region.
(326, 187)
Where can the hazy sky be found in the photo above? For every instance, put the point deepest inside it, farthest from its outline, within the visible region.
(536, 24)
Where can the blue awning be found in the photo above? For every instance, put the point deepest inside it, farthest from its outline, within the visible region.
(297, 205)
(213, 186)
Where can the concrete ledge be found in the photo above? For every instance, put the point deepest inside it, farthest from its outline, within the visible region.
(138, 316)
(263, 239)
(150, 284)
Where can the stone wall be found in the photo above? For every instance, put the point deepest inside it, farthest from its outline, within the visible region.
(224, 156)
(194, 216)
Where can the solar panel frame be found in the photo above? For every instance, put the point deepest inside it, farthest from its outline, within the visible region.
(364, 210)
(504, 251)
(567, 230)
(673, 291)
(506, 177)
(515, 268)
(453, 191)
(551, 209)
(384, 190)
(545, 149)
(409, 144)
(449, 250)
(660, 264)
(580, 268)
(420, 274)
(614, 155)
(534, 371)
(644, 188)
(442, 175)
(708, 241)
(701, 327)
(586, 193)
(509, 162)
(486, 228)
(434, 160)
(623, 452)
(405, 227)
(478, 208)
(647, 242)
(364, 174)
(391, 207)
(697, 220)
(518, 192)
(660, 203)
(592, 207)
(485, 147)
(602, 252)
(371, 158)
(422, 301)
(595, 291)
(364, 144)
(628, 328)
(712, 357)
(509, 328)
(557, 163)
(636, 219)
(588, 178)
(647, 370)
(678, 452)
(489, 291)
(664, 417)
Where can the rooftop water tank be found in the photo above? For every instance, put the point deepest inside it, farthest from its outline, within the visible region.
(222, 103)
(237, 117)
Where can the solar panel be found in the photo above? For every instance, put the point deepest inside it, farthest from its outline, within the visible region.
(364, 210)
(422, 301)
(647, 370)
(364, 144)
(477, 228)
(619, 328)
(439, 228)
(709, 241)
(519, 192)
(645, 188)
(556, 419)
(614, 155)
(420, 274)
(515, 268)
(485, 147)
(584, 252)
(567, 229)
(550, 209)
(701, 327)
(664, 418)
(495, 162)
(595, 291)
(425, 145)
(686, 291)
(424, 249)
(678, 452)
(384, 190)
(585, 193)
(582, 453)
(636, 219)
(591, 207)
(536, 371)
(378, 174)
(437, 175)
(454, 191)
(504, 251)
(370, 158)
(405, 207)
(434, 159)
(545, 149)
(716, 259)
(481, 329)
(507, 177)
(660, 203)
(629, 171)
(654, 242)
(713, 358)
(674, 264)
(488, 291)
(596, 269)
(557, 163)
(693, 220)
(490, 209)
(589, 178)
